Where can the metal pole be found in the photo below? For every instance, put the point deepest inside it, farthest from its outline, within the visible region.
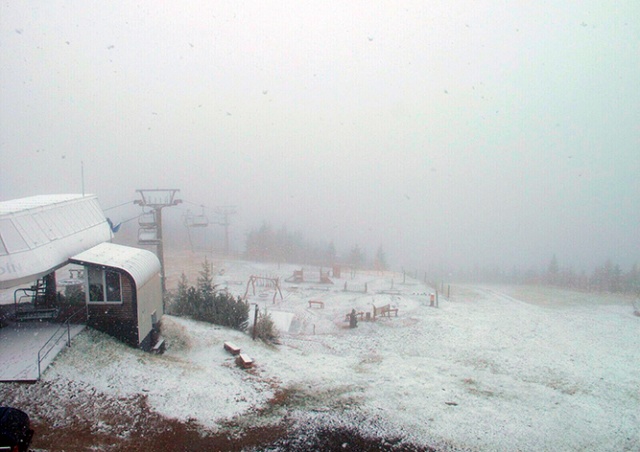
(157, 199)
(255, 322)
(160, 248)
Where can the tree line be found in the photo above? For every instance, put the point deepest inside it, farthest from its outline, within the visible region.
(265, 244)
(606, 277)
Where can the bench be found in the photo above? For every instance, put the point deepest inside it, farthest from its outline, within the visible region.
(389, 311)
(36, 314)
(316, 302)
(244, 361)
(232, 348)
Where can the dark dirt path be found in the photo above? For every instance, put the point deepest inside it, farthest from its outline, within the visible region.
(67, 417)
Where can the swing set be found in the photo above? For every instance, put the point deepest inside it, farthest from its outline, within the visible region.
(264, 281)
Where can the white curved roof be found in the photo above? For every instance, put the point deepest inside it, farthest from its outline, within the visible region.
(22, 205)
(141, 264)
(38, 234)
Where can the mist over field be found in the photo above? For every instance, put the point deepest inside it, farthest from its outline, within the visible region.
(449, 134)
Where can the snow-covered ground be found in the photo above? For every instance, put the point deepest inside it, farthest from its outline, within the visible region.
(492, 368)
(23, 344)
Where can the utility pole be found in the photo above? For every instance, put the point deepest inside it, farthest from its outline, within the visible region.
(151, 234)
(225, 211)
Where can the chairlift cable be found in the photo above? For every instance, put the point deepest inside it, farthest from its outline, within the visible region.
(132, 218)
(119, 205)
(194, 204)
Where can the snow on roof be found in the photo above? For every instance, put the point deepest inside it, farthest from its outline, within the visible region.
(33, 202)
(141, 264)
(39, 233)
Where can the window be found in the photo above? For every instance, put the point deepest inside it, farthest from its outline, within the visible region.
(98, 280)
(112, 280)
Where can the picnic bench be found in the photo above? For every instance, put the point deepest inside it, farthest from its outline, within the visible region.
(390, 310)
(232, 348)
(244, 361)
(316, 302)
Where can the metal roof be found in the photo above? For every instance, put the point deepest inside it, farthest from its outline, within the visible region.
(38, 234)
(33, 202)
(141, 264)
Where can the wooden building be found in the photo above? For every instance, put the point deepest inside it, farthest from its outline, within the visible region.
(123, 292)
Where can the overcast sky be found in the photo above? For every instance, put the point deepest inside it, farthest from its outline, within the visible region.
(446, 131)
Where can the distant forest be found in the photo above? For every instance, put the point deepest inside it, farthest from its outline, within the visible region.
(267, 244)
(607, 277)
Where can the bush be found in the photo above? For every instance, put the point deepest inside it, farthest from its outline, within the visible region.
(207, 304)
(265, 329)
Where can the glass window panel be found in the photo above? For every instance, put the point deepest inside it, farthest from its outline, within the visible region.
(96, 285)
(113, 286)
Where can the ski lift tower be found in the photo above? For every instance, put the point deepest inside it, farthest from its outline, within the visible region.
(151, 232)
(225, 211)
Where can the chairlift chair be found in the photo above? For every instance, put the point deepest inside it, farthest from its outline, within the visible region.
(147, 219)
(199, 221)
(196, 221)
(148, 236)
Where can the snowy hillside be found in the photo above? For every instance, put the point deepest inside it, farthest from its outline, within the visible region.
(513, 368)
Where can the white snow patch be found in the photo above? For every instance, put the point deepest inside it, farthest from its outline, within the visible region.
(490, 369)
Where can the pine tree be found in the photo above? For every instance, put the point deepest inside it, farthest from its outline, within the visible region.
(330, 254)
(380, 263)
(205, 280)
(356, 257)
(181, 298)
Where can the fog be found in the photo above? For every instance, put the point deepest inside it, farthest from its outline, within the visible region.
(455, 133)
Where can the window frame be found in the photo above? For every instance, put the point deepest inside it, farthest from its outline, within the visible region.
(105, 292)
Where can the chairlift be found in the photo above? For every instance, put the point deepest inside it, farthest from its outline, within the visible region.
(196, 221)
(76, 278)
(147, 219)
(200, 221)
(148, 236)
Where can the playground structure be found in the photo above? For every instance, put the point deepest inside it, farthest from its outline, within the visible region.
(382, 311)
(264, 281)
(298, 276)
